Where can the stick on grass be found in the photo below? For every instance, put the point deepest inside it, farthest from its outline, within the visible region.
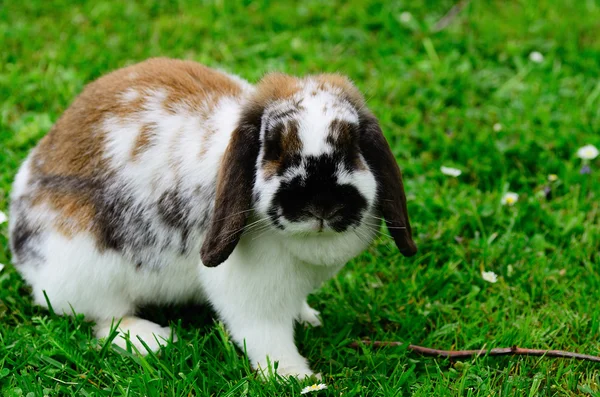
(500, 351)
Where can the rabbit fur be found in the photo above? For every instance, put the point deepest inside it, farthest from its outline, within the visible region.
(168, 182)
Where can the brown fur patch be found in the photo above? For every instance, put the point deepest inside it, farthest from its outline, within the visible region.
(173, 158)
(359, 164)
(351, 93)
(205, 141)
(270, 168)
(69, 151)
(209, 132)
(76, 210)
(340, 132)
(274, 87)
(290, 141)
(197, 87)
(143, 140)
(342, 135)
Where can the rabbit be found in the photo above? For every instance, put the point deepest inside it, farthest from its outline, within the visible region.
(168, 182)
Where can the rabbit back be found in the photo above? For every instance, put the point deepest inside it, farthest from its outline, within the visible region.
(133, 162)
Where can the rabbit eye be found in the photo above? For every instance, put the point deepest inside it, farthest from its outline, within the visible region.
(273, 143)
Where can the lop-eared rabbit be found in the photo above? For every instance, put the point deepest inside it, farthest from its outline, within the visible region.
(168, 181)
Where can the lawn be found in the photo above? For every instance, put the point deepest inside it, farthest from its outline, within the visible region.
(467, 95)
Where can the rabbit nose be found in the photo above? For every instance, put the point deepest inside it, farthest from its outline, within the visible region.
(324, 213)
(316, 212)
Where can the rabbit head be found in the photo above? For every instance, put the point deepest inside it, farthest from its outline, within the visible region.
(308, 155)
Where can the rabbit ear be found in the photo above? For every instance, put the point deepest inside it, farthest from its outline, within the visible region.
(391, 198)
(233, 199)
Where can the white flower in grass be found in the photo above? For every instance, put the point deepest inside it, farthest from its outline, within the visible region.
(315, 387)
(490, 277)
(3, 217)
(536, 57)
(497, 127)
(510, 198)
(553, 177)
(1, 267)
(588, 152)
(450, 171)
(405, 17)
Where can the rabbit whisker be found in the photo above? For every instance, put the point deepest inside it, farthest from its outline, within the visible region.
(379, 232)
(361, 236)
(389, 227)
(386, 245)
(267, 230)
(381, 219)
(246, 227)
(372, 224)
(259, 228)
(375, 217)
(235, 214)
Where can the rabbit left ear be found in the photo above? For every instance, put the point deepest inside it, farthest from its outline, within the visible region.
(235, 182)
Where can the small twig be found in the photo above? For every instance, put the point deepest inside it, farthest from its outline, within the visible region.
(450, 16)
(501, 351)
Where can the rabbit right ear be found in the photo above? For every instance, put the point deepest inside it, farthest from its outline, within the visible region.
(235, 183)
(390, 189)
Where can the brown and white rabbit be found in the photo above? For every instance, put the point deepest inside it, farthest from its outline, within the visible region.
(167, 181)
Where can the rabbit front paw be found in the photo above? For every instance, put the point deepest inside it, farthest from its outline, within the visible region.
(310, 316)
(134, 329)
(299, 371)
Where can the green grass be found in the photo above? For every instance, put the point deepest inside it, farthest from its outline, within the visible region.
(437, 96)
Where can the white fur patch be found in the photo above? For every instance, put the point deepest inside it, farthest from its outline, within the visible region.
(129, 95)
(103, 285)
(363, 180)
(155, 98)
(121, 135)
(21, 183)
(319, 111)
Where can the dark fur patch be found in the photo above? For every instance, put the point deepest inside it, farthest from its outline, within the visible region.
(68, 184)
(282, 115)
(129, 226)
(175, 210)
(24, 240)
(122, 223)
(342, 134)
(281, 141)
(320, 196)
(272, 213)
(290, 140)
(273, 145)
(125, 224)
